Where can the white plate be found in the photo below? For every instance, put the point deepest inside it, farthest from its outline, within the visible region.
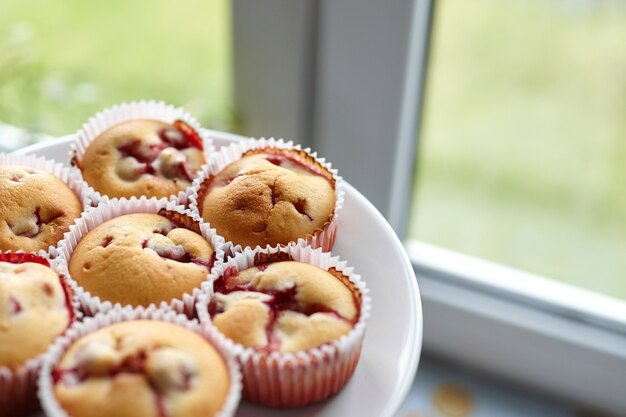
(394, 334)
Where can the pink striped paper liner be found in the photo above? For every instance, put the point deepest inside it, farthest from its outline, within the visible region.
(18, 387)
(279, 379)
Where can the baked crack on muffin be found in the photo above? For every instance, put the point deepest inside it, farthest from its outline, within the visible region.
(143, 157)
(284, 306)
(142, 259)
(141, 369)
(36, 209)
(270, 196)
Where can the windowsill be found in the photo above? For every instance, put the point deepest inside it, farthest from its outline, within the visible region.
(528, 331)
(445, 388)
(573, 302)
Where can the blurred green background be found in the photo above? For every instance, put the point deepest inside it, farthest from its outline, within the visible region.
(523, 152)
(61, 61)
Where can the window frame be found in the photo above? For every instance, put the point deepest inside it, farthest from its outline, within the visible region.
(358, 73)
(531, 330)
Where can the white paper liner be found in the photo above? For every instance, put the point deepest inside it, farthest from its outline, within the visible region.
(295, 379)
(108, 210)
(154, 110)
(51, 406)
(18, 388)
(322, 238)
(70, 176)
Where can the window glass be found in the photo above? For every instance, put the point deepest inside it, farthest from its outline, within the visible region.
(60, 62)
(523, 147)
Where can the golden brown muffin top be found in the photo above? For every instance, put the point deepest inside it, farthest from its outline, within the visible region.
(283, 306)
(268, 199)
(141, 259)
(36, 209)
(141, 369)
(33, 311)
(143, 157)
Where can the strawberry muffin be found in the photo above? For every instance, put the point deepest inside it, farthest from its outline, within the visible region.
(141, 368)
(35, 308)
(296, 317)
(142, 157)
(269, 196)
(36, 209)
(283, 306)
(141, 259)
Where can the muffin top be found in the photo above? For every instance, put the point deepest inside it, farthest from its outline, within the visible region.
(33, 311)
(143, 157)
(36, 209)
(141, 369)
(268, 197)
(283, 306)
(141, 258)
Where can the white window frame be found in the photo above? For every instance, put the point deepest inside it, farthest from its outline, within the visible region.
(351, 74)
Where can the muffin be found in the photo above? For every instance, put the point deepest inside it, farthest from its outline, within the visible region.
(269, 196)
(142, 157)
(296, 318)
(141, 368)
(140, 259)
(34, 309)
(283, 306)
(36, 209)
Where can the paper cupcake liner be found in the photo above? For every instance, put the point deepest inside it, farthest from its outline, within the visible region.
(70, 176)
(323, 237)
(18, 387)
(154, 110)
(51, 406)
(94, 217)
(295, 379)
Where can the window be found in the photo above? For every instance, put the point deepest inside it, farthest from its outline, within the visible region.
(518, 118)
(60, 64)
(523, 139)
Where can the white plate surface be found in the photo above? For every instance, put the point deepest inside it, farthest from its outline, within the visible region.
(394, 334)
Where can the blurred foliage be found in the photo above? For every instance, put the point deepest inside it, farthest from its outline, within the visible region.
(523, 153)
(61, 61)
